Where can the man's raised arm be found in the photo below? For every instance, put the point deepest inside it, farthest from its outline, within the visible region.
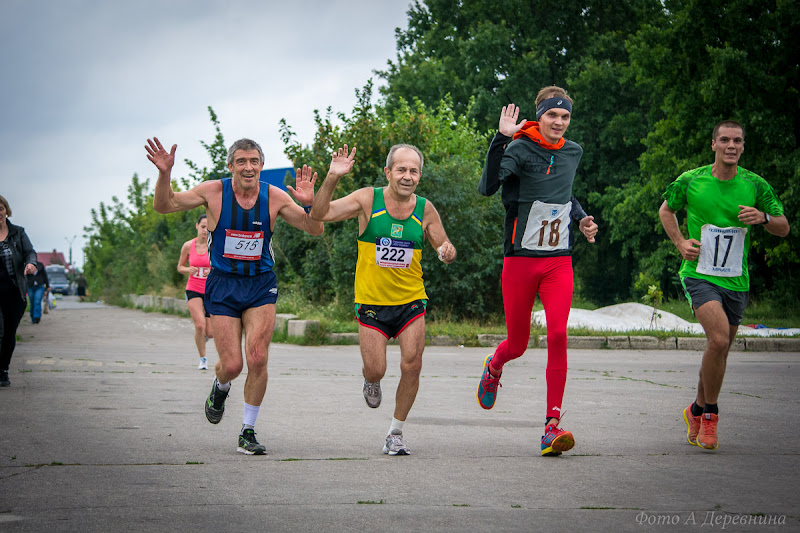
(165, 200)
(343, 208)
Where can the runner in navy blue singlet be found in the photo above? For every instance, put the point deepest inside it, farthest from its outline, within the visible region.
(241, 289)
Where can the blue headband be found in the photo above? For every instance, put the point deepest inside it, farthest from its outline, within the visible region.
(550, 103)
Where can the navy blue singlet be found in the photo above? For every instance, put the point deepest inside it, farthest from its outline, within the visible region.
(242, 241)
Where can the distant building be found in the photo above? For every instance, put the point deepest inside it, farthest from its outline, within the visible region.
(52, 258)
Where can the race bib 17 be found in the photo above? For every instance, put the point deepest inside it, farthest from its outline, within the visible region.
(721, 251)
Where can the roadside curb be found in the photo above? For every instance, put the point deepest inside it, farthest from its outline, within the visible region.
(295, 327)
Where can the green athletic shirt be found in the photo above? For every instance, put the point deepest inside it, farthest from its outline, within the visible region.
(709, 200)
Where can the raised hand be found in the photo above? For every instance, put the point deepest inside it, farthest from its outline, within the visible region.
(304, 193)
(157, 155)
(508, 120)
(341, 162)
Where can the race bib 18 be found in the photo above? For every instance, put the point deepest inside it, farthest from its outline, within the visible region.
(548, 227)
(243, 245)
(393, 253)
(721, 251)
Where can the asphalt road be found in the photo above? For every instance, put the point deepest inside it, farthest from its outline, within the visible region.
(102, 429)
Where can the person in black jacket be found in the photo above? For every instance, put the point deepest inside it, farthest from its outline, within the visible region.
(17, 259)
(38, 287)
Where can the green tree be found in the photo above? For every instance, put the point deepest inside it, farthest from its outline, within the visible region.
(710, 62)
(488, 54)
(132, 249)
(453, 151)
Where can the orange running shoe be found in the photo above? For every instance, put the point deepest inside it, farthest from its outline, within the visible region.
(693, 425)
(707, 438)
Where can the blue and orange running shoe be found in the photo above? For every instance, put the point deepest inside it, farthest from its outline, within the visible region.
(692, 424)
(556, 440)
(487, 387)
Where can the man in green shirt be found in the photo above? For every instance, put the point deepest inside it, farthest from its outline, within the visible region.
(723, 203)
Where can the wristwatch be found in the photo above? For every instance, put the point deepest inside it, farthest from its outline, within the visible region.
(766, 218)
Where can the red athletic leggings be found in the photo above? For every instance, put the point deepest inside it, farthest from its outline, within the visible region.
(552, 278)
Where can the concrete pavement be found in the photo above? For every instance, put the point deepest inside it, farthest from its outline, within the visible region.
(103, 429)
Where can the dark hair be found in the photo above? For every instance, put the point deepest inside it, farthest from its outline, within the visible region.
(200, 218)
(726, 124)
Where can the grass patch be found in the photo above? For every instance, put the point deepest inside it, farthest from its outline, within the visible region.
(591, 508)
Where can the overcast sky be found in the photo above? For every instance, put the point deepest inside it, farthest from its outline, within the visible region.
(83, 84)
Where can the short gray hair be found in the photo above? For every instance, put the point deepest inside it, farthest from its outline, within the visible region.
(396, 147)
(244, 144)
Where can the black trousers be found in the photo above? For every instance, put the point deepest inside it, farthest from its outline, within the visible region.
(12, 307)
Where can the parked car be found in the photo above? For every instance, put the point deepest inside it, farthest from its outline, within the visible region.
(59, 282)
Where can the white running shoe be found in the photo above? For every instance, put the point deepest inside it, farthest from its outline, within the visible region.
(203, 364)
(372, 393)
(395, 445)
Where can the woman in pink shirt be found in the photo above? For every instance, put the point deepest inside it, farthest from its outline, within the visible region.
(195, 252)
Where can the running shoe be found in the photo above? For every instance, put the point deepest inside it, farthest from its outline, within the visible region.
(395, 445)
(556, 440)
(372, 393)
(248, 444)
(203, 364)
(487, 387)
(692, 423)
(707, 438)
(215, 404)
(4, 381)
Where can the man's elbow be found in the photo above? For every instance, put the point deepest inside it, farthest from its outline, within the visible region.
(160, 207)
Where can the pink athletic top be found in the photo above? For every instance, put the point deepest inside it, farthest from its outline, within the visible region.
(197, 282)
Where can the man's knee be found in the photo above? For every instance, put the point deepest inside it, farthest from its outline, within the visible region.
(231, 365)
(374, 368)
(719, 342)
(411, 366)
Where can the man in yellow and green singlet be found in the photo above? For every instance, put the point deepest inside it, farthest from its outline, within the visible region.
(390, 297)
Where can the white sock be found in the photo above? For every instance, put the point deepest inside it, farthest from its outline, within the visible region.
(250, 415)
(223, 386)
(396, 427)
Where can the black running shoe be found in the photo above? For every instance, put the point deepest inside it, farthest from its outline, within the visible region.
(4, 381)
(215, 404)
(248, 444)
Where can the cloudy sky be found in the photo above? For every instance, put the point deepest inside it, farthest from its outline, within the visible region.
(83, 84)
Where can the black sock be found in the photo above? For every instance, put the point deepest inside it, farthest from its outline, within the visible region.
(711, 408)
(696, 409)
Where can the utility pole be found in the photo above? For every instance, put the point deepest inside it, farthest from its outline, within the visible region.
(71, 266)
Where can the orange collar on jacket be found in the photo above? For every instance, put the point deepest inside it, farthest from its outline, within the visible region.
(531, 131)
